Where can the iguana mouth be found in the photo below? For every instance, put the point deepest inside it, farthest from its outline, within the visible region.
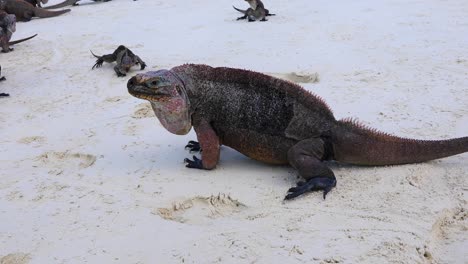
(142, 91)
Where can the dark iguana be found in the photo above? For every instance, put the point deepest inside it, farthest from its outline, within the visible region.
(124, 57)
(7, 27)
(2, 79)
(24, 11)
(70, 3)
(37, 3)
(273, 121)
(256, 11)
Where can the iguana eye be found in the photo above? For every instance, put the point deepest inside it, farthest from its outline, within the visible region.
(154, 83)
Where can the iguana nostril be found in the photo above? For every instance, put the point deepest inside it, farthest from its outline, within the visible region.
(131, 82)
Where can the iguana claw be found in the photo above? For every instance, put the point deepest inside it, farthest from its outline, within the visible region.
(193, 146)
(314, 184)
(196, 163)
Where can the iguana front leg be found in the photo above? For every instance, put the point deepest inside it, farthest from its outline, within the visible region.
(306, 156)
(209, 142)
(109, 58)
(141, 62)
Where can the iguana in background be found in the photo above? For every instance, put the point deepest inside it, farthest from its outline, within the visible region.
(24, 11)
(71, 3)
(124, 57)
(7, 27)
(257, 11)
(37, 3)
(273, 121)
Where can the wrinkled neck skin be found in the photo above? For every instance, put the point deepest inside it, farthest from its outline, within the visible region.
(173, 112)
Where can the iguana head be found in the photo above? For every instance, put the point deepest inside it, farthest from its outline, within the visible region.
(167, 95)
(7, 21)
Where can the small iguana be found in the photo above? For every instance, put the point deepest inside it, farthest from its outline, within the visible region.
(124, 57)
(7, 27)
(37, 3)
(70, 3)
(24, 11)
(273, 121)
(256, 11)
(2, 79)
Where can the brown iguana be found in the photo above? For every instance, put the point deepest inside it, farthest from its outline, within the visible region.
(71, 3)
(124, 57)
(7, 27)
(37, 3)
(24, 11)
(256, 11)
(273, 121)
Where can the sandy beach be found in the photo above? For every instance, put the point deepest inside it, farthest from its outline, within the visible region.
(89, 175)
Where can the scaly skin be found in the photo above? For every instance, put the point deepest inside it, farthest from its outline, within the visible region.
(273, 121)
(7, 28)
(124, 57)
(24, 11)
(257, 11)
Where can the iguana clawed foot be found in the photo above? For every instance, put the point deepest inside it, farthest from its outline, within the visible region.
(196, 163)
(3, 78)
(98, 64)
(314, 184)
(193, 146)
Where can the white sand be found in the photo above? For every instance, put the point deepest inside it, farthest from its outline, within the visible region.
(88, 175)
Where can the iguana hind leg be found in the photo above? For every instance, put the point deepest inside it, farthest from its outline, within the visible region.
(306, 156)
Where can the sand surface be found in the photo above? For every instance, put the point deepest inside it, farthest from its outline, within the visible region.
(88, 175)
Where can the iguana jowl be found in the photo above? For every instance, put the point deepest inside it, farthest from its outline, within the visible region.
(24, 11)
(7, 28)
(124, 57)
(273, 121)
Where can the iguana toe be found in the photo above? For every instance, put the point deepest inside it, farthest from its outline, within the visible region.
(196, 163)
(193, 146)
(314, 184)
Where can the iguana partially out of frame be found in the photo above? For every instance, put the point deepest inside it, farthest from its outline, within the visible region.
(37, 3)
(2, 79)
(7, 28)
(124, 57)
(24, 11)
(71, 3)
(273, 121)
(256, 11)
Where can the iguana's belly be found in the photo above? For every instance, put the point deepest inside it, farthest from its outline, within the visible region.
(266, 148)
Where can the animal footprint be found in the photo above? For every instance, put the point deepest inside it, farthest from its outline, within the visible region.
(15, 258)
(298, 77)
(60, 161)
(143, 110)
(197, 209)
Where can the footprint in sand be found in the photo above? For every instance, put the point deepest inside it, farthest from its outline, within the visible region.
(298, 77)
(35, 141)
(143, 110)
(197, 209)
(15, 258)
(60, 161)
(448, 234)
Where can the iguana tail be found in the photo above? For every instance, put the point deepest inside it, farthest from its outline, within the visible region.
(99, 57)
(240, 10)
(356, 144)
(20, 40)
(63, 4)
(42, 13)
